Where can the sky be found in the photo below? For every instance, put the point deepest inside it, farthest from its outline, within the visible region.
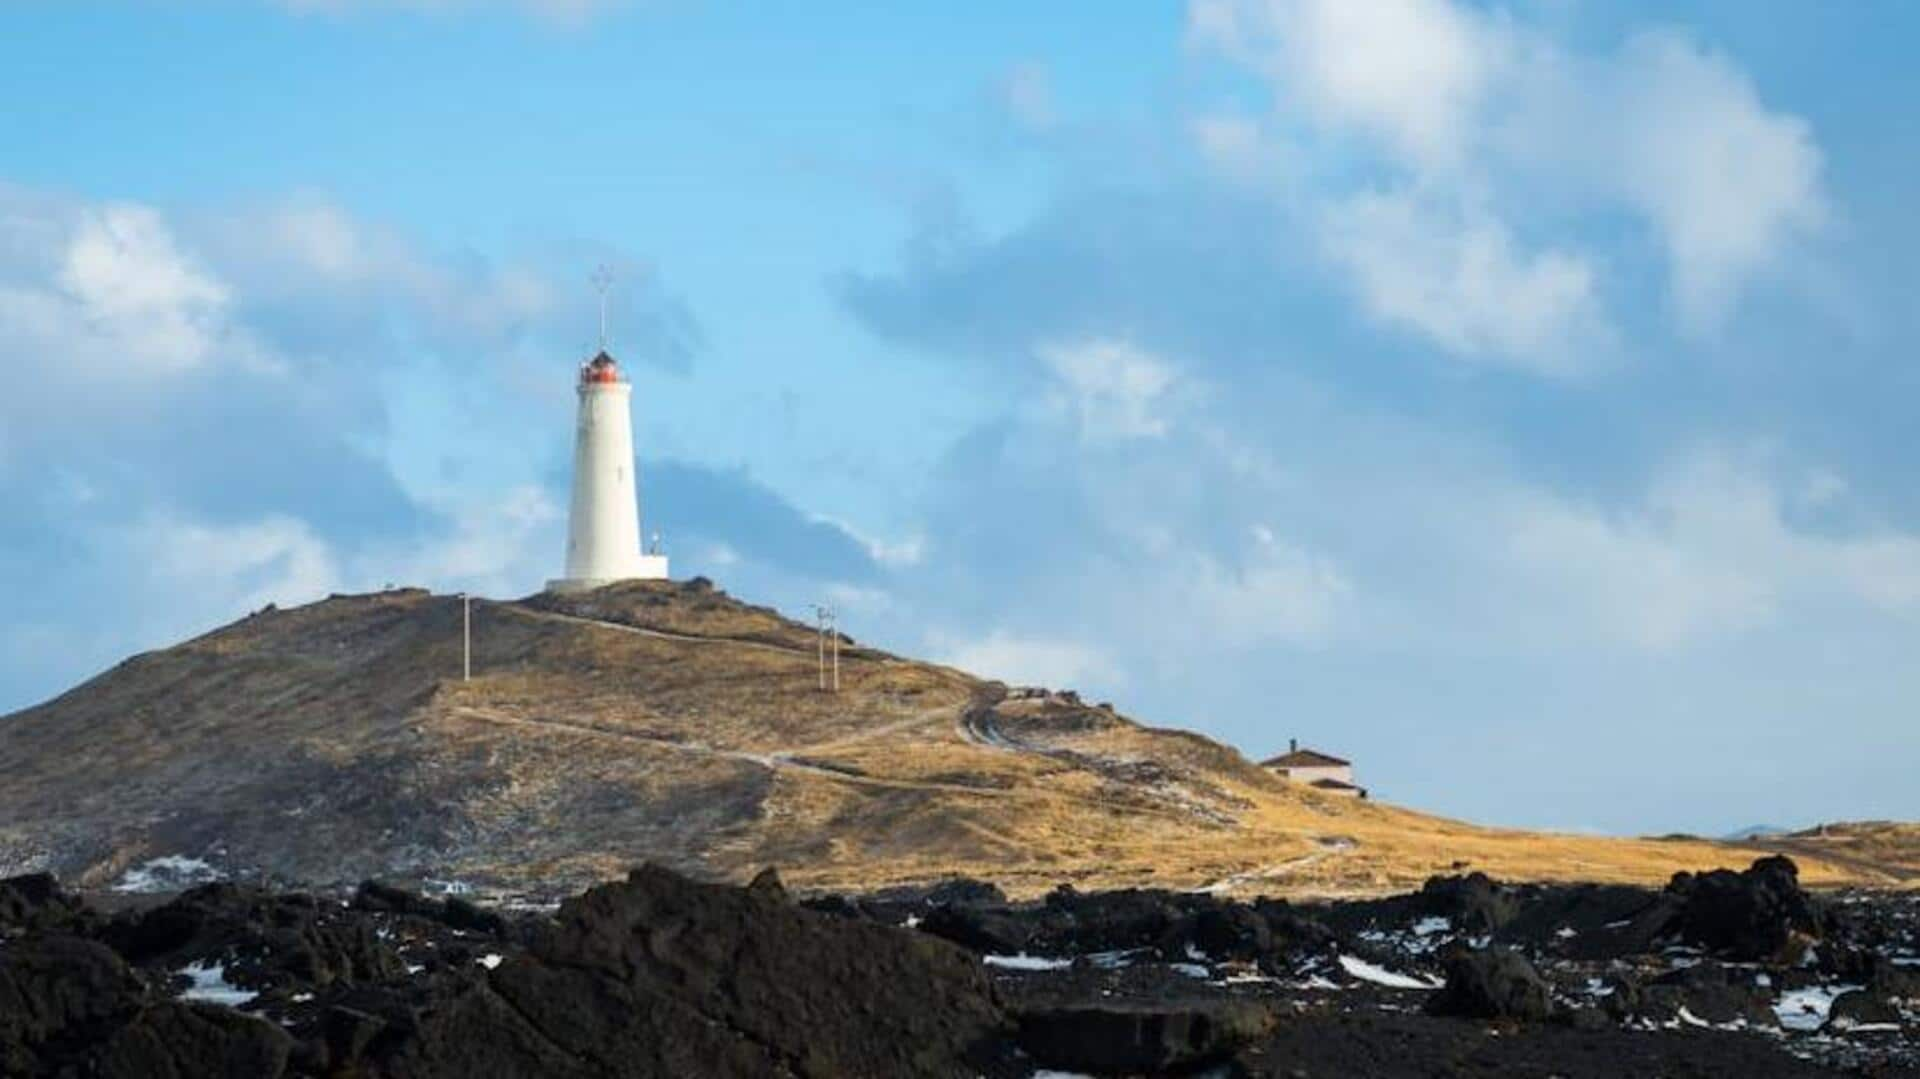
(1518, 399)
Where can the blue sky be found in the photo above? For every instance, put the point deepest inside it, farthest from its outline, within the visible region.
(1516, 398)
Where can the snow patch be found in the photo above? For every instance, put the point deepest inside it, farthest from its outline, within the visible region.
(210, 985)
(1114, 960)
(172, 873)
(1191, 970)
(1806, 1009)
(1023, 961)
(489, 960)
(1367, 972)
(1427, 927)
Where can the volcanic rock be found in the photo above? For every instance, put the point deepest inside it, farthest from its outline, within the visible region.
(769, 982)
(1229, 931)
(1142, 1039)
(1590, 921)
(1473, 903)
(264, 939)
(1492, 984)
(1862, 1007)
(35, 902)
(175, 1040)
(987, 930)
(1110, 921)
(1710, 992)
(1748, 915)
(72, 1006)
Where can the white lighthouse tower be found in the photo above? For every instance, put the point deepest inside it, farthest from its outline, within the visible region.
(603, 524)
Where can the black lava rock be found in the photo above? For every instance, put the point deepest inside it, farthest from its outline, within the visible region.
(1711, 993)
(1748, 915)
(985, 930)
(1222, 932)
(35, 903)
(1141, 1039)
(1473, 903)
(1492, 984)
(1861, 1007)
(263, 939)
(73, 1007)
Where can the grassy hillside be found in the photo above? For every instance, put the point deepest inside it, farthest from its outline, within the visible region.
(670, 722)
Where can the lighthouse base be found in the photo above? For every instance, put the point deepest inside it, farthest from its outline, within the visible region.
(648, 567)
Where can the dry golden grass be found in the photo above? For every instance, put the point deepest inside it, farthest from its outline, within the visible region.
(668, 722)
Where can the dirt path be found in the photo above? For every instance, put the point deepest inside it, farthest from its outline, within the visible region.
(927, 717)
(782, 761)
(1276, 870)
(667, 635)
(777, 761)
(974, 726)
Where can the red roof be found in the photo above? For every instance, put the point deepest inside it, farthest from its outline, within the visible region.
(1336, 785)
(601, 368)
(1305, 758)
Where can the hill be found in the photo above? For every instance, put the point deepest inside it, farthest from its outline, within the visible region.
(667, 721)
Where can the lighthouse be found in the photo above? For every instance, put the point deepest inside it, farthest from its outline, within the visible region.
(603, 522)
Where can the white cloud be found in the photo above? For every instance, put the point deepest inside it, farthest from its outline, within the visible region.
(1113, 390)
(135, 287)
(309, 247)
(1729, 184)
(106, 291)
(1708, 553)
(1460, 279)
(1277, 592)
(1475, 110)
(1410, 73)
(499, 544)
(221, 570)
(1018, 659)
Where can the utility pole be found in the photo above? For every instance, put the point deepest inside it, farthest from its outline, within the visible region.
(825, 626)
(466, 637)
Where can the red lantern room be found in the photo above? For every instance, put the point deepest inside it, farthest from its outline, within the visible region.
(600, 369)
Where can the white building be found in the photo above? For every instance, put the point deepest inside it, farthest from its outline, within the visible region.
(603, 522)
(1322, 771)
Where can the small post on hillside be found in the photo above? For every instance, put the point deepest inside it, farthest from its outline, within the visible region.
(823, 627)
(466, 637)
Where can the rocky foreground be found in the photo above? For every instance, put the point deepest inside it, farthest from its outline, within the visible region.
(1720, 973)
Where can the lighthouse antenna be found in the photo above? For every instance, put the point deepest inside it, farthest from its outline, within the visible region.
(603, 283)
